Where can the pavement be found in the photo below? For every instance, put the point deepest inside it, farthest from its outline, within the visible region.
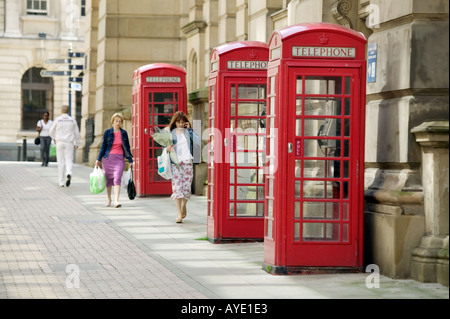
(63, 243)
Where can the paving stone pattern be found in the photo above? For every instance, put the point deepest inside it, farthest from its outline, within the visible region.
(48, 240)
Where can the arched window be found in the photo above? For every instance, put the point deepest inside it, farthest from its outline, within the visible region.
(37, 97)
(192, 74)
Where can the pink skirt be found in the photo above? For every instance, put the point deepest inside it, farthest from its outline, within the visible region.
(113, 166)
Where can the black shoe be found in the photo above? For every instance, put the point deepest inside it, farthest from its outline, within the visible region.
(68, 180)
(42, 164)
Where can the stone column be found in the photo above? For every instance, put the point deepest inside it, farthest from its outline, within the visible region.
(241, 20)
(227, 21)
(12, 19)
(430, 259)
(89, 84)
(69, 20)
(260, 26)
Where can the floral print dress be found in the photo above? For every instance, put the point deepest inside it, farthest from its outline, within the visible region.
(182, 180)
(184, 173)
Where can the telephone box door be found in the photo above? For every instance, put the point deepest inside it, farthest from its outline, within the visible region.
(160, 105)
(244, 154)
(323, 160)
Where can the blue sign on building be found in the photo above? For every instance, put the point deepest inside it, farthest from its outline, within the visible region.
(372, 63)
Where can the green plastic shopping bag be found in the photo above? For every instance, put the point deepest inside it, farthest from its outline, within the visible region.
(52, 150)
(97, 180)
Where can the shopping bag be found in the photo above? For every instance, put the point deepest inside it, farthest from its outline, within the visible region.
(164, 166)
(52, 150)
(126, 176)
(97, 180)
(131, 188)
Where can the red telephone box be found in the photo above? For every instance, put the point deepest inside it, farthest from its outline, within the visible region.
(315, 149)
(237, 116)
(159, 91)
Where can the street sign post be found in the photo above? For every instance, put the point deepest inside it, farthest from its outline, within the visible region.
(75, 86)
(76, 54)
(48, 73)
(74, 81)
(76, 67)
(58, 61)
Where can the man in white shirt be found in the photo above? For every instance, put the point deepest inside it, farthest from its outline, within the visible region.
(66, 134)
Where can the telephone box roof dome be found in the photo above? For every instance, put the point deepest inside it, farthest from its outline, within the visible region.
(156, 66)
(240, 44)
(319, 27)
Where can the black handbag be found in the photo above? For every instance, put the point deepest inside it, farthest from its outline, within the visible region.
(37, 140)
(131, 189)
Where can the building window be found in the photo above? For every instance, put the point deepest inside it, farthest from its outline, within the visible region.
(37, 98)
(37, 7)
(83, 8)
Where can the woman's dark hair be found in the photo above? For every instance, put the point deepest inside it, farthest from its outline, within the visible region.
(178, 116)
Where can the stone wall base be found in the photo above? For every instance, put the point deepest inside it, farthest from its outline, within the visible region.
(389, 240)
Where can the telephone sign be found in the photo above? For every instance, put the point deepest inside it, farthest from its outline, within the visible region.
(323, 52)
(247, 65)
(163, 79)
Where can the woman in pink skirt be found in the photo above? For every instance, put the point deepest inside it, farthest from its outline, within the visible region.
(115, 148)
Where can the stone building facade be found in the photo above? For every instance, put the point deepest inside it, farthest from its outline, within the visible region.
(406, 221)
(31, 34)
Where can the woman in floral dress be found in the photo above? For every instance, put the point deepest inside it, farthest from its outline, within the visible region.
(185, 143)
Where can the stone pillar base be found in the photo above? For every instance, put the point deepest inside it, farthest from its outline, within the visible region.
(442, 266)
(428, 258)
(429, 261)
(389, 238)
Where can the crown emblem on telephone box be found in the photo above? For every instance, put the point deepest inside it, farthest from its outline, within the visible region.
(324, 39)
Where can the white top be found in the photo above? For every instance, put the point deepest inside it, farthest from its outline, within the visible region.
(45, 131)
(182, 149)
(65, 129)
